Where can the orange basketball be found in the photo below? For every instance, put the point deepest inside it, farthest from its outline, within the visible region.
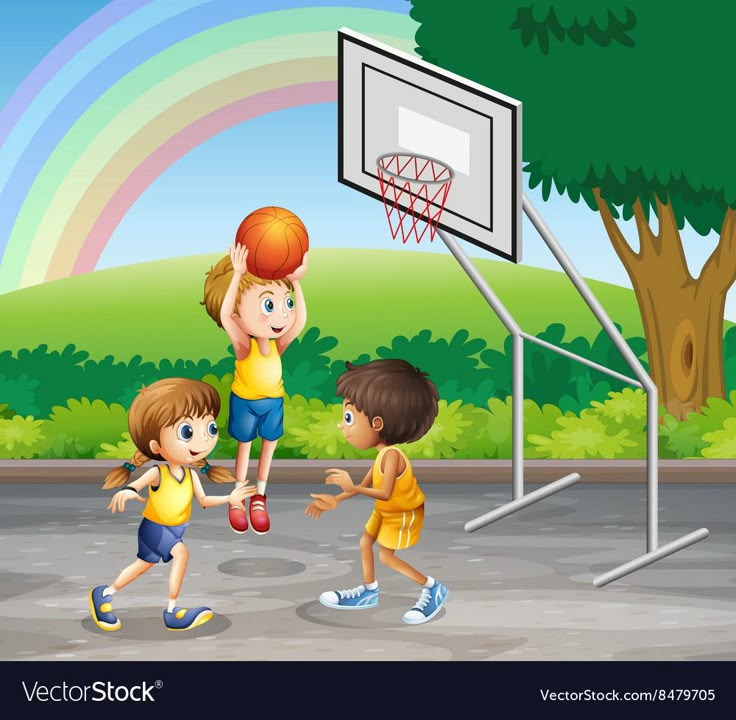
(276, 240)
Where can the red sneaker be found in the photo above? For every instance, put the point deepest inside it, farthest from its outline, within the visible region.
(238, 518)
(259, 515)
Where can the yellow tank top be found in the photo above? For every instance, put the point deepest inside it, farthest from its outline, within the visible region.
(259, 376)
(171, 502)
(406, 494)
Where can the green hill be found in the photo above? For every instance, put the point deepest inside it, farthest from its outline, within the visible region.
(362, 297)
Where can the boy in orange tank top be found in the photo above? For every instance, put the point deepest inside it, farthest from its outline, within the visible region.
(385, 402)
(261, 318)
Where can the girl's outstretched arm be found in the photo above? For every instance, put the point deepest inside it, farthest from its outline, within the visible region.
(234, 498)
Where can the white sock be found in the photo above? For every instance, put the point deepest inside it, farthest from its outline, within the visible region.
(430, 582)
(108, 591)
(261, 487)
(371, 585)
(172, 605)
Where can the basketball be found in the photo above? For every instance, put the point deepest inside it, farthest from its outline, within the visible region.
(276, 240)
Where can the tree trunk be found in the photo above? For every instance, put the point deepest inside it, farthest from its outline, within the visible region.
(684, 341)
(682, 316)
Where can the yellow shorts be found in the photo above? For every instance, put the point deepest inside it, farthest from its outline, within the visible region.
(396, 530)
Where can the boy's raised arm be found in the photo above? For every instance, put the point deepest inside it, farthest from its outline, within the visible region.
(238, 257)
(300, 307)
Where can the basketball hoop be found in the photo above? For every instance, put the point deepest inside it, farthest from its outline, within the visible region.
(414, 188)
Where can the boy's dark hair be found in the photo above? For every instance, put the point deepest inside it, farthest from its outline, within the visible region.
(400, 394)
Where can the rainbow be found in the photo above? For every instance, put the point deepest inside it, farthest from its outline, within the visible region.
(135, 87)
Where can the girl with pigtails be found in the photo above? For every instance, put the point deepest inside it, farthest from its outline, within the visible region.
(172, 421)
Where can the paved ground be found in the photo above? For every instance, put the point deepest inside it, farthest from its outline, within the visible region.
(520, 589)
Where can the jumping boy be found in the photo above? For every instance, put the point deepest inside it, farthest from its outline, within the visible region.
(385, 402)
(261, 318)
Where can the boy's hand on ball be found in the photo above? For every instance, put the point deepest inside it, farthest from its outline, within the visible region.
(239, 258)
(300, 272)
(340, 478)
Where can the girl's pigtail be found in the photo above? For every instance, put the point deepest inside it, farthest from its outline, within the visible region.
(216, 473)
(121, 475)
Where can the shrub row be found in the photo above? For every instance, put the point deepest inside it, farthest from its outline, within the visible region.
(612, 428)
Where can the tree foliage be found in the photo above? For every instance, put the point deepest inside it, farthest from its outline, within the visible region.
(625, 95)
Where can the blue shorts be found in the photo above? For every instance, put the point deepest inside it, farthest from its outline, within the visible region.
(251, 418)
(155, 541)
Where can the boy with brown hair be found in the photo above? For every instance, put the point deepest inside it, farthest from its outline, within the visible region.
(261, 318)
(385, 402)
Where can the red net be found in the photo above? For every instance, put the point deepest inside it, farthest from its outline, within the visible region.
(414, 190)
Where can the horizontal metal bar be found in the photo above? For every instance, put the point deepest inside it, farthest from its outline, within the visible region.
(650, 557)
(522, 502)
(580, 359)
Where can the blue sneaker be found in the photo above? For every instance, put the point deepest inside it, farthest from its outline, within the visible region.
(429, 604)
(183, 619)
(101, 607)
(357, 598)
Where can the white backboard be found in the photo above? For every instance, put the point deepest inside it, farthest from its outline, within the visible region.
(390, 101)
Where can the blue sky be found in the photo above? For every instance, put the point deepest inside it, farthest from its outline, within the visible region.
(287, 158)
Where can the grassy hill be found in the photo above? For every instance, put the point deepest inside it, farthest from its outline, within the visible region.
(362, 297)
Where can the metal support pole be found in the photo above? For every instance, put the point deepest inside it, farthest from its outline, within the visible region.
(518, 498)
(522, 502)
(517, 419)
(650, 557)
(652, 470)
(654, 552)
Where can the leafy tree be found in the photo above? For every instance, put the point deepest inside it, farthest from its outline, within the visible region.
(626, 107)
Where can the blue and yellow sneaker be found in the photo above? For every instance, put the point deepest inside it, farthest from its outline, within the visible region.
(183, 619)
(357, 598)
(101, 607)
(428, 605)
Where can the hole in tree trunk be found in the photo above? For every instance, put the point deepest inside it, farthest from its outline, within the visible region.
(688, 354)
(683, 362)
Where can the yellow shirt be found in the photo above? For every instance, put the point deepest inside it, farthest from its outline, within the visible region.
(171, 502)
(406, 494)
(259, 376)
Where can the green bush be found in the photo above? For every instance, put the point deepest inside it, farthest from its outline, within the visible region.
(20, 394)
(451, 434)
(64, 368)
(23, 437)
(310, 430)
(455, 365)
(79, 428)
(584, 436)
(495, 441)
(722, 443)
(306, 366)
(122, 450)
